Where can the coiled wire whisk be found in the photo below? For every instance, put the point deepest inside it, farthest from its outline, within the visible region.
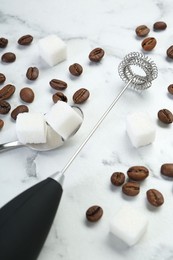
(127, 73)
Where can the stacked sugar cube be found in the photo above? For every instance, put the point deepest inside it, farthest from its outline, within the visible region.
(32, 127)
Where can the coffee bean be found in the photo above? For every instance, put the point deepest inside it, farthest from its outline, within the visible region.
(159, 26)
(27, 95)
(155, 197)
(167, 169)
(4, 107)
(3, 42)
(19, 109)
(165, 116)
(81, 95)
(1, 123)
(169, 52)
(76, 69)
(2, 78)
(96, 55)
(7, 91)
(94, 213)
(131, 188)
(25, 40)
(58, 84)
(149, 43)
(170, 89)
(32, 73)
(118, 178)
(59, 96)
(137, 173)
(8, 57)
(142, 31)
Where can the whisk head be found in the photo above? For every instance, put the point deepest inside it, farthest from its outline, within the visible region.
(138, 81)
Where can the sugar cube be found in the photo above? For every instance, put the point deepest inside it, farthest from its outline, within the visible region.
(140, 129)
(52, 49)
(31, 128)
(63, 119)
(129, 225)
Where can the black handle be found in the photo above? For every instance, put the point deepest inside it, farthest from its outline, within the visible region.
(25, 221)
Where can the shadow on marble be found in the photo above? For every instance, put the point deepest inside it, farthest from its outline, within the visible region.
(159, 123)
(90, 224)
(169, 95)
(114, 188)
(128, 198)
(168, 59)
(166, 178)
(22, 47)
(94, 64)
(140, 39)
(152, 208)
(73, 78)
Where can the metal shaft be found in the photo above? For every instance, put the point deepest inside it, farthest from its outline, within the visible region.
(95, 127)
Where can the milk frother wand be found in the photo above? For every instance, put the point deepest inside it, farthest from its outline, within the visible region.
(25, 221)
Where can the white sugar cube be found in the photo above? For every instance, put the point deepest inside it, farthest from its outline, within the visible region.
(52, 49)
(129, 225)
(63, 119)
(31, 128)
(140, 129)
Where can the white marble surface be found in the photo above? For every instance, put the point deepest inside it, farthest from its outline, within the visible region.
(84, 25)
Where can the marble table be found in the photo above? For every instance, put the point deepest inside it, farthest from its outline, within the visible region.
(84, 25)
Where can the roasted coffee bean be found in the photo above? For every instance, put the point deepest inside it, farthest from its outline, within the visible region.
(169, 52)
(159, 26)
(58, 84)
(4, 107)
(142, 31)
(149, 43)
(25, 40)
(7, 91)
(27, 95)
(59, 96)
(96, 55)
(131, 188)
(138, 173)
(1, 123)
(165, 116)
(32, 73)
(2, 78)
(167, 169)
(155, 197)
(19, 109)
(170, 89)
(94, 213)
(3, 42)
(118, 178)
(8, 57)
(76, 69)
(81, 95)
